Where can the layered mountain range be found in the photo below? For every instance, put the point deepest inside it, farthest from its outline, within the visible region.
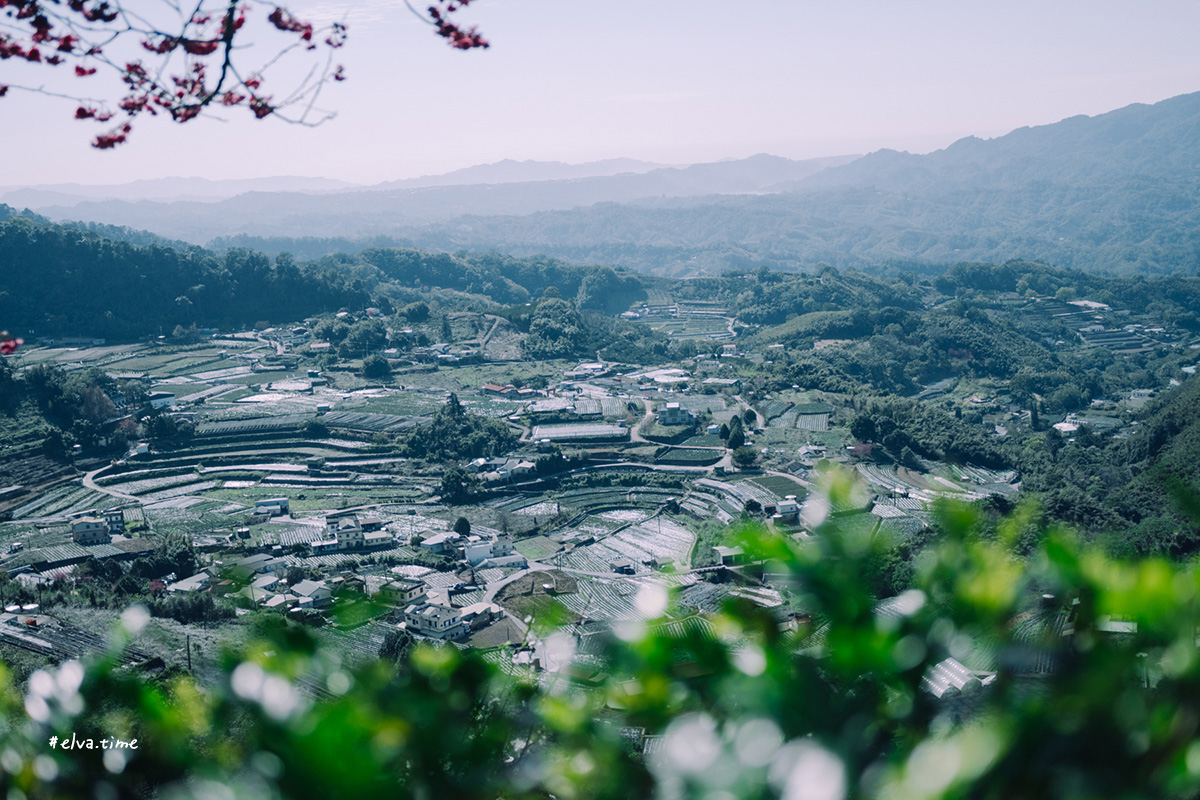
(1118, 192)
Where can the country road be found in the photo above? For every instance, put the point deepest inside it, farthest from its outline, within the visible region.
(89, 481)
(634, 432)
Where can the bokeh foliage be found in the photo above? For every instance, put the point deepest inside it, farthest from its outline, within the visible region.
(828, 706)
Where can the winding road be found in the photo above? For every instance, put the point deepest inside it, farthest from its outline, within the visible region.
(89, 481)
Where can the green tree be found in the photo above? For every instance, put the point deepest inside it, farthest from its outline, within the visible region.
(395, 645)
(457, 485)
(745, 457)
(737, 434)
(453, 434)
(555, 329)
(376, 366)
(416, 312)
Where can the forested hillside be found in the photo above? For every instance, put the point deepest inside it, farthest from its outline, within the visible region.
(117, 283)
(59, 280)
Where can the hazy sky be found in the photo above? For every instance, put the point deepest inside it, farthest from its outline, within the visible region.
(674, 81)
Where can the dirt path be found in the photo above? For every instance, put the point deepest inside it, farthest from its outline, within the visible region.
(89, 481)
(634, 432)
(483, 345)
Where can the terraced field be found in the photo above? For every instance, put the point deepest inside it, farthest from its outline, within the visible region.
(925, 488)
(780, 486)
(659, 540)
(688, 457)
(688, 326)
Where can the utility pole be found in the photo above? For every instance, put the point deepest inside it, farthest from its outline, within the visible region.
(189, 652)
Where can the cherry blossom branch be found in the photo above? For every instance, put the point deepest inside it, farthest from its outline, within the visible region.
(165, 66)
(438, 15)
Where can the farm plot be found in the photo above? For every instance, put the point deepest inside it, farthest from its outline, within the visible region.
(602, 599)
(46, 505)
(580, 431)
(241, 427)
(284, 402)
(192, 521)
(687, 326)
(812, 422)
(989, 478)
(408, 403)
(179, 491)
(775, 409)
(351, 560)
(688, 457)
(142, 485)
(925, 489)
(225, 373)
(375, 423)
(542, 509)
(662, 539)
(536, 548)
(347, 495)
(613, 406)
(183, 501)
(900, 528)
(608, 497)
(208, 393)
(493, 406)
(361, 644)
(410, 571)
(780, 486)
(738, 493)
(61, 641)
(586, 406)
(166, 638)
(654, 541)
(151, 364)
(89, 501)
(800, 416)
(762, 595)
(704, 402)
(624, 515)
(303, 535)
(704, 440)
(794, 439)
(704, 597)
(491, 575)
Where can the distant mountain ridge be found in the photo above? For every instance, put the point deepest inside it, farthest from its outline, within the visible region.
(172, 188)
(1119, 191)
(374, 211)
(512, 171)
(1160, 140)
